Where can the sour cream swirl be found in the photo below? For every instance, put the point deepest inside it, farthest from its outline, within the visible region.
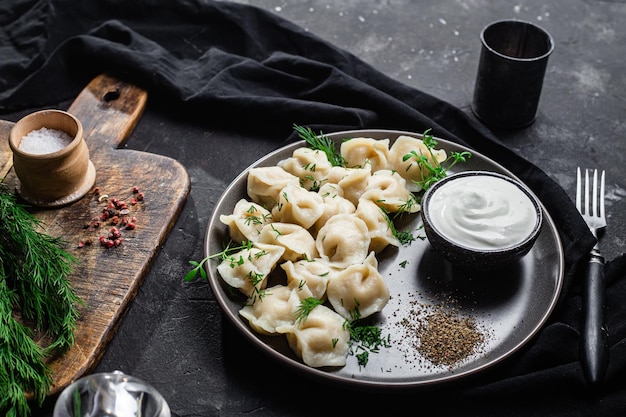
(482, 212)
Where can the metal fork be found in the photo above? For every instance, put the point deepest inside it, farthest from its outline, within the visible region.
(594, 339)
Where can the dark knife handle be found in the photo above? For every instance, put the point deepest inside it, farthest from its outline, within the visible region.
(595, 346)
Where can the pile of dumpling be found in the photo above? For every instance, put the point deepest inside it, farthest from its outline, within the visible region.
(323, 225)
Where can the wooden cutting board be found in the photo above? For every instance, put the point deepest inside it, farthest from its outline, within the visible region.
(108, 279)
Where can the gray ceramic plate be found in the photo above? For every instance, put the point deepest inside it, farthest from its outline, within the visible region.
(509, 306)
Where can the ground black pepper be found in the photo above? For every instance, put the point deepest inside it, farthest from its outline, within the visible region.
(446, 337)
(439, 334)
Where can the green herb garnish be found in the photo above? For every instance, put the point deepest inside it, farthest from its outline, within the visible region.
(255, 279)
(365, 339)
(436, 170)
(34, 269)
(306, 306)
(321, 143)
(223, 255)
(251, 217)
(407, 206)
(403, 237)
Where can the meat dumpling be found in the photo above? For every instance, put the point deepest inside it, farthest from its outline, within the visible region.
(247, 270)
(410, 170)
(388, 189)
(311, 166)
(344, 240)
(358, 291)
(351, 181)
(321, 339)
(246, 221)
(360, 152)
(276, 308)
(264, 184)
(297, 242)
(298, 205)
(380, 231)
(334, 203)
(314, 274)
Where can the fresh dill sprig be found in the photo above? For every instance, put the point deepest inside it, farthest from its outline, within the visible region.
(223, 255)
(306, 306)
(408, 206)
(365, 339)
(404, 237)
(436, 170)
(34, 271)
(321, 143)
(22, 368)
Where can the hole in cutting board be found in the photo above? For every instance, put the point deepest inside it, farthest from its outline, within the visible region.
(111, 95)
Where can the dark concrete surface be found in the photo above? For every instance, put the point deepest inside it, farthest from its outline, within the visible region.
(198, 361)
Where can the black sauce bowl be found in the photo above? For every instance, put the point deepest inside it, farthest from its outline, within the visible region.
(462, 255)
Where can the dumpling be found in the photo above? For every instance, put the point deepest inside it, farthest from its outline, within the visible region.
(388, 189)
(297, 242)
(314, 274)
(321, 339)
(358, 291)
(329, 191)
(359, 152)
(276, 308)
(380, 231)
(337, 173)
(311, 166)
(334, 203)
(413, 173)
(246, 221)
(344, 240)
(298, 205)
(247, 270)
(353, 183)
(265, 184)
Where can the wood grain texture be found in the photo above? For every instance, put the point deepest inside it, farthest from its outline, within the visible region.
(108, 279)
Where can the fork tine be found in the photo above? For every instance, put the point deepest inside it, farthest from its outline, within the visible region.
(586, 208)
(578, 190)
(602, 195)
(594, 196)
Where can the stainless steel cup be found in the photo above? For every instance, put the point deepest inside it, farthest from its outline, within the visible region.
(113, 394)
(513, 60)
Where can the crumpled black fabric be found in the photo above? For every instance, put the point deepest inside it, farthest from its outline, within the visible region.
(211, 61)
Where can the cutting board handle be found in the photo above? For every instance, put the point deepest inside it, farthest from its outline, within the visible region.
(109, 110)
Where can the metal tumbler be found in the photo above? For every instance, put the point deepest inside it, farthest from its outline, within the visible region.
(511, 69)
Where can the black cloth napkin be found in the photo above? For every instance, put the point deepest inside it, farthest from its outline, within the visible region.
(238, 62)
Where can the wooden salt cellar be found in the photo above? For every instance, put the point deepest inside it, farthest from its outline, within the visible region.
(56, 178)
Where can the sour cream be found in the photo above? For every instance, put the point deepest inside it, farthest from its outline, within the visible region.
(482, 212)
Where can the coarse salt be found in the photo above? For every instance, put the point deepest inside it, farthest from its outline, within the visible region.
(44, 140)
